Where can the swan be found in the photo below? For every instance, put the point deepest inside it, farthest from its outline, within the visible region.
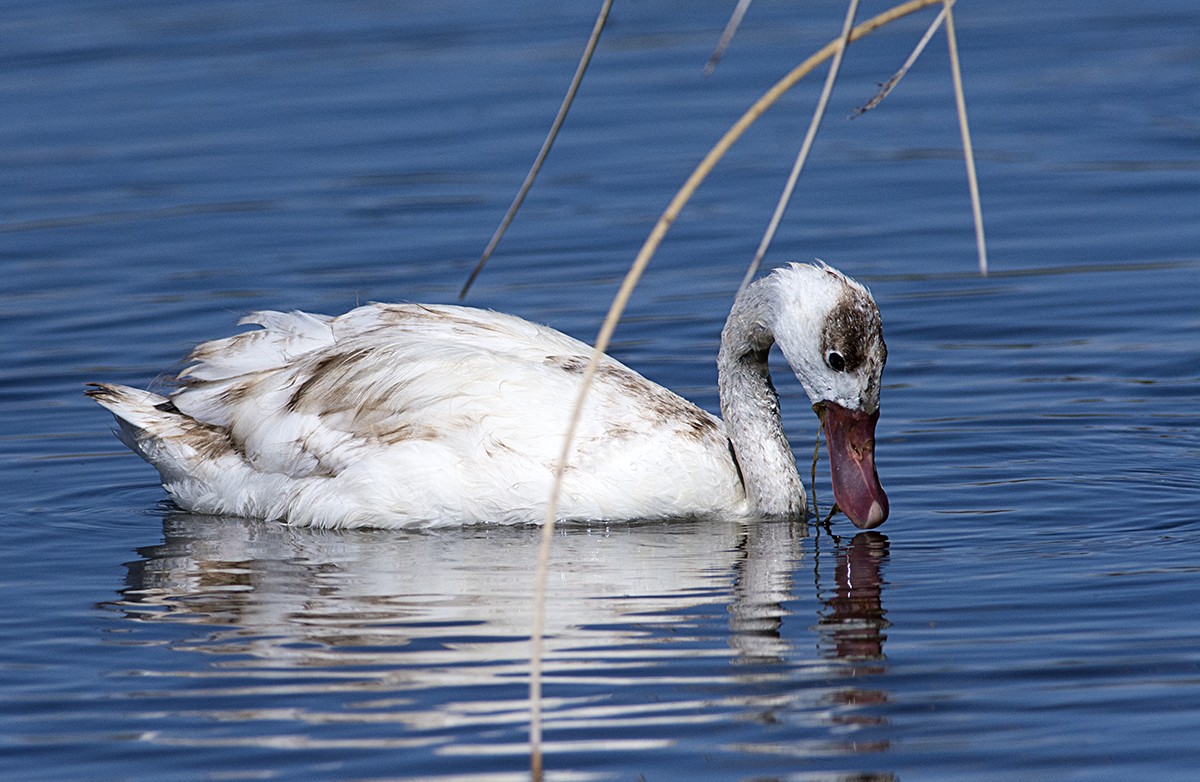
(415, 415)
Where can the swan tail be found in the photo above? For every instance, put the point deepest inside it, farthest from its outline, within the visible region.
(153, 428)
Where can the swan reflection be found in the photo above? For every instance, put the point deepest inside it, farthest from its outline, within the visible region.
(852, 623)
(432, 627)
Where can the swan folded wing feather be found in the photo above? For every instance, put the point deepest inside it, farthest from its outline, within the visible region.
(383, 373)
(283, 336)
(308, 395)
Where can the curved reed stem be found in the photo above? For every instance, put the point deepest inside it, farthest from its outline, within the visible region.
(614, 314)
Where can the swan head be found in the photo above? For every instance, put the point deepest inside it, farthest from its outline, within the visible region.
(829, 330)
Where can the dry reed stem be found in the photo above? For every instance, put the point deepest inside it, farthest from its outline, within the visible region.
(735, 20)
(886, 88)
(555, 126)
(960, 101)
(614, 314)
(818, 114)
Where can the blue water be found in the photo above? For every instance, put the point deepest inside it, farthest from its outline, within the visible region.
(1031, 610)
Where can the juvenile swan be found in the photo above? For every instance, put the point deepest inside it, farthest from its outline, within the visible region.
(405, 415)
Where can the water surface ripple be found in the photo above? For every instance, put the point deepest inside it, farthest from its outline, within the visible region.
(1029, 611)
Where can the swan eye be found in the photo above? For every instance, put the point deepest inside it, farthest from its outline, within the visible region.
(835, 361)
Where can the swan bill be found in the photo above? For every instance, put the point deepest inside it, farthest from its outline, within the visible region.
(850, 436)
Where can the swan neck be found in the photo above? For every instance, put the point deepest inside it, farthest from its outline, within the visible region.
(750, 407)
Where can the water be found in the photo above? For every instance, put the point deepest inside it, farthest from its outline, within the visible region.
(1029, 611)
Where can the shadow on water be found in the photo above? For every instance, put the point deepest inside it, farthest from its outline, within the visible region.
(420, 640)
